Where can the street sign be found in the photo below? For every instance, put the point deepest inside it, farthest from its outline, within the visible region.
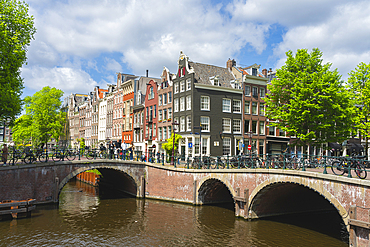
(190, 145)
(249, 147)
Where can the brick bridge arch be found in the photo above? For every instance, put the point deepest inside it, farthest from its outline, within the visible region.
(134, 180)
(213, 189)
(264, 189)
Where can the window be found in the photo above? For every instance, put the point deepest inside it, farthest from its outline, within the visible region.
(169, 97)
(247, 107)
(176, 87)
(165, 133)
(164, 114)
(204, 121)
(165, 99)
(271, 130)
(159, 115)
(254, 71)
(176, 105)
(262, 128)
(176, 120)
(226, 146)
(169, 114)
(160, 100)
(188, 123)
(182, 124)
(255, 92)
(182, 104)
(188, 102)
(204, 146)
(160, 133)
(196, 145)
(247, 90)
(237, 126)
(204, 103)
(188, 84)
(226, 105)
(254, 108)
(254, 127)
(262, 109)
(182, 86)
(151, 93)
(154, 129)
(155, 111)
(281, 132)
(262, 92)
(237, 106)
(226, 125)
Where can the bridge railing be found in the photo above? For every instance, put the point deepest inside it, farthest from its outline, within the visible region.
(325, 164)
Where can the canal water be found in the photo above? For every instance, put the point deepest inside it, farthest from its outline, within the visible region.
(85, 218)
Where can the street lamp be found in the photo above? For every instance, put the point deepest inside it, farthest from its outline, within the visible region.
(173, 141)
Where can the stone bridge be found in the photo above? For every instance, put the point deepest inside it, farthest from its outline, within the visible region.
(256, 193)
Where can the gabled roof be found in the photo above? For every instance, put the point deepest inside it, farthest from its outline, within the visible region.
(203, 73)
(101, 92)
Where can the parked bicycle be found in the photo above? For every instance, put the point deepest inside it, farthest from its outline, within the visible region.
(343, 165)
(61, 154)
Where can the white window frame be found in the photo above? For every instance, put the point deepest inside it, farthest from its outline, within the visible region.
(176, 105)
(237, 128)
(226, 146)
(176, 87)
(204, 121)
(160, 100)
(226, 105)
(188, 102)
(247, 91)
(188, 123)
(182, 86)
(188, 84)
(182, 124)
(261, 127)
(182, 104)
(205, 103)
(226, 125)
(237, 106)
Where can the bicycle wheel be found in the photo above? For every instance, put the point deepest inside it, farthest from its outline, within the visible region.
(70, 156)
(43, 157)
(338, 168)
(28, 159)
(90, 155)
(56, 156)
(360, 171)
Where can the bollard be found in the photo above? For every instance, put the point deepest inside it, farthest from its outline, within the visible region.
(162, 159)
(187, 163)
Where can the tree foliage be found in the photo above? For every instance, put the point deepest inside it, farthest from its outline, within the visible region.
(43, 119)
(16, 32)
(309, 101)
(169, 144)
(359, 85)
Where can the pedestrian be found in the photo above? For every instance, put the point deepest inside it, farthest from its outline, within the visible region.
(5, 154)
(111, 150)
(132, 151)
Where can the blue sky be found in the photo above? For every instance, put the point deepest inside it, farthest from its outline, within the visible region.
(83, 43)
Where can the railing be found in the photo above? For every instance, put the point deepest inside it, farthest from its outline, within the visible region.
(346, 166)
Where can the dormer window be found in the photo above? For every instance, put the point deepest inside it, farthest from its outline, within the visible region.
(215, 81)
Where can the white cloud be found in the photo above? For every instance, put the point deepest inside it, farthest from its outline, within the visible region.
(67, 79)
(343, 38)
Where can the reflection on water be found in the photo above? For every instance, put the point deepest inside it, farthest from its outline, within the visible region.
(82, 219)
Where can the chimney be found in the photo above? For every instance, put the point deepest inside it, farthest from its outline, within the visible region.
(264, 72)
(147, 73)
(229, 64)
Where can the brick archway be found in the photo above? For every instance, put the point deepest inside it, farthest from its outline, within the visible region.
(74, 173)
(210, 186)
(316, 187)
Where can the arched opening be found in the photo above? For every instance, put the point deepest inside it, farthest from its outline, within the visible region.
(114, 184)
(215, 192)
(298, 205)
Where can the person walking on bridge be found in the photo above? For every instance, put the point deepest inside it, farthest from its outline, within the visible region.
(4, 154)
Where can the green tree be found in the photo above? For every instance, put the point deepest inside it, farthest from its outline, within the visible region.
(359, 85)
(309, 101)
(43, 119)
(168, 146)
(16, 32)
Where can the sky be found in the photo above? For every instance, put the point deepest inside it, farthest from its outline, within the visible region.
(81, 44)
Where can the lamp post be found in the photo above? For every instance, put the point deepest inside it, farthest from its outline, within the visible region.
(173, 142)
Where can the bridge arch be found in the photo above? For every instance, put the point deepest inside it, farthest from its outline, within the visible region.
(128, 177)
(273, 188)
(214, 189)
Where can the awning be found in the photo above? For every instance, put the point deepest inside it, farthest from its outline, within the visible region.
(336, 146)
(356, 148)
